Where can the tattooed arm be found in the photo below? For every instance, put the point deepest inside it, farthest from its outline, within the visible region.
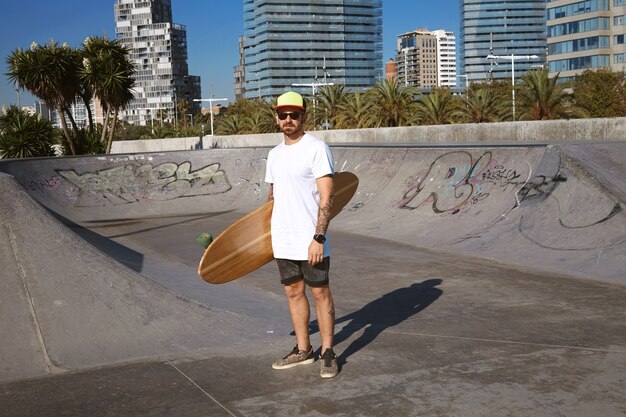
(325, 186)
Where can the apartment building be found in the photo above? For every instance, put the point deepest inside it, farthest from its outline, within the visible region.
(159, 51)
(585, 35)
(446, 58)
(426, 59)
(416, 56)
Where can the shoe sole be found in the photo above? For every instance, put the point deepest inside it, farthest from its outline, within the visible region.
(291, 365)
(328, 375)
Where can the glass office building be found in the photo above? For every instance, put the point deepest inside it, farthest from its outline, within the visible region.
(501, 28)
(317, 42)
(585, 35)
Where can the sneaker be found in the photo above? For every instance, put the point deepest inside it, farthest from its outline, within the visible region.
(296, 357)
(329, 364)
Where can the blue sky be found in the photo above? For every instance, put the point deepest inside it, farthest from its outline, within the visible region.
(213, 28)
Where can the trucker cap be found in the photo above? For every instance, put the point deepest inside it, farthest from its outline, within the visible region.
(290, 99)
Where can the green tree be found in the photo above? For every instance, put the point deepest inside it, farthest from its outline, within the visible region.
(183, 112)
(108, 72)
(601, 92)
(354, 112)
(481, 104)
(50, 73)
(437, 108)
(23, 135)
(329, 100)
(392, 104)
(544, 98)
(231, 125)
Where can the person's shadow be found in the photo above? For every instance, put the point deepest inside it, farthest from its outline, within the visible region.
(383, 313)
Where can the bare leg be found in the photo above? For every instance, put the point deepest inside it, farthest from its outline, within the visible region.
(300, 312)
(325, 308)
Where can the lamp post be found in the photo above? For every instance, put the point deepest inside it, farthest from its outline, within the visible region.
(175, 111)
(151, 117)
(313, 87)
(513, 58)
(210, 100)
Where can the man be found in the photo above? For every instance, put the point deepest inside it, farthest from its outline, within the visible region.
(299, 171)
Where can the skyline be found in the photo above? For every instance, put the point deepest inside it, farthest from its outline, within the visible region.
(213, 29)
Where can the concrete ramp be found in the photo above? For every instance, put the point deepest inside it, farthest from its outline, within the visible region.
(65, 305)
(68, 306)
(555, 207)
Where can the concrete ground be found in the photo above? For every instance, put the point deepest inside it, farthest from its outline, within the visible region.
(516, 307)
(418, 333)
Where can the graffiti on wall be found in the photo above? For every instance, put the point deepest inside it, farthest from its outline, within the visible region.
(553, 218)
(455, 181)
(132, 183)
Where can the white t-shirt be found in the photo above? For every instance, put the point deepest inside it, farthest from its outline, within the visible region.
(293, 170)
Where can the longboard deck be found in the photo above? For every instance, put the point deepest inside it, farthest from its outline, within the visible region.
(246, 245)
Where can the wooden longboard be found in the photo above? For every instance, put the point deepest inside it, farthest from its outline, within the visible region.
(246, 245)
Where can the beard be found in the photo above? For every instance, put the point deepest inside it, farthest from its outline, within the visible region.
(290, 129)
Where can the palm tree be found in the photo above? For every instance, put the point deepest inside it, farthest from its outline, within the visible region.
(392, 104)
(231, 125)
(49, 72)
(329, 99)
(481, 105)
(108, 72)
(437, 108)
(183, 109)
(544, 98)
(23, 135)
(354, 112)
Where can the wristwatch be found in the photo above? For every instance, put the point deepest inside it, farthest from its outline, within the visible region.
(319, 238)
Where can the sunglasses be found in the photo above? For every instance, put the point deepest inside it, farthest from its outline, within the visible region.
(294, 115)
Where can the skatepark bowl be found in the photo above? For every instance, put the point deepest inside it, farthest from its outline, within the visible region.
(469, 280)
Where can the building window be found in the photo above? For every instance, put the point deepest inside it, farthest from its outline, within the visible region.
(583, 62)
(587, 25)
(578, 45)
(619, 58)
(577, 8)
(618, 39)
(619, 2)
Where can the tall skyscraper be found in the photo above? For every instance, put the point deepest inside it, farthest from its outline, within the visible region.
(507, 27)
(586, 35)
(159, 51)
(311, 42)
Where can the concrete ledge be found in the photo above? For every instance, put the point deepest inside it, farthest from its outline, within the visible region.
(577, 130)
(156, 145)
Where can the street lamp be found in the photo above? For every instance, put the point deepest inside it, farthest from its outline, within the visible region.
(313, 87)
(210, 100)
(513, 58)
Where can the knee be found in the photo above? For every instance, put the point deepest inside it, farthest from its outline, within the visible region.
(294, 291)
(321, 294)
